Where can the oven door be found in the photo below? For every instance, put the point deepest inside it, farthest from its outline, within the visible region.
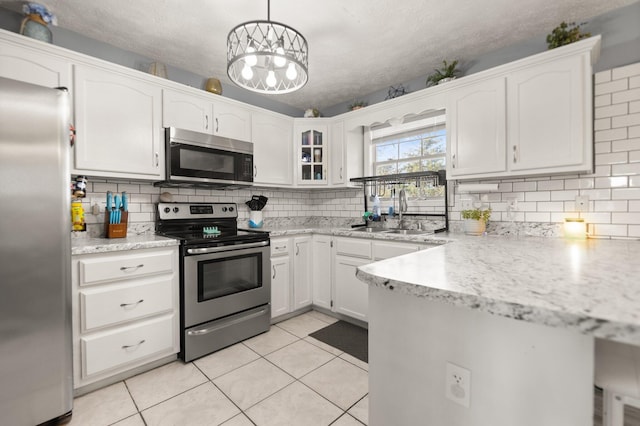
(224, 281)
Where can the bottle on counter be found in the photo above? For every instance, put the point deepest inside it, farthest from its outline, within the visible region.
(376, 208)
(77, 216)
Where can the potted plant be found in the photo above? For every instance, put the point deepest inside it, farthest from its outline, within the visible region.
(475, 220)
(565, 34)
(446, 73)
(357, 105)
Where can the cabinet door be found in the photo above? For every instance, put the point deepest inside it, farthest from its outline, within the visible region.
(186, 112)
(272, 150)
(280, 286)
(312, 153)
(337, 165)
(548, 117)
(322, 271)
(302, 284)
(18, 63)
(118, 125)
(231, 121)
(387, 250)
(476, 129)
(351, 295)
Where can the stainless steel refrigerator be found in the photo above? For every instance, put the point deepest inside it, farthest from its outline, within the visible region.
(35, 255)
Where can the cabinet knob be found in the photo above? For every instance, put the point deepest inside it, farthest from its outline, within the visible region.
(157, 159)
(515, 153)
(297, 249)
(453, 161)
(216, 125)
(206, 122)
(274, 271)
(255, 171)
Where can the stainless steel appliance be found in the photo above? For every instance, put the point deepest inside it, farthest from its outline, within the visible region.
(225, 285)
(199, 159)
(35, 255)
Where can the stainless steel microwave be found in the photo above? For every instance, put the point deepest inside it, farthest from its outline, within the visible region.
(200, 159)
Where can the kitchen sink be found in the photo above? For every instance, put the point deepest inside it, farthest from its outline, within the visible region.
(408, 231)
(371, 230)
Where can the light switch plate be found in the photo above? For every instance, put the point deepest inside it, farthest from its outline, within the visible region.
(582, 203)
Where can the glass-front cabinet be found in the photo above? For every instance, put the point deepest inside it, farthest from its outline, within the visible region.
(313, 154)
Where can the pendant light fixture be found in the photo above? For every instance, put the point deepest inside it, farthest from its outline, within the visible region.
(267, 57)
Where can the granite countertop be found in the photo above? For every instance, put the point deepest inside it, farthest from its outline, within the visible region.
(589, 286)
(103, 245)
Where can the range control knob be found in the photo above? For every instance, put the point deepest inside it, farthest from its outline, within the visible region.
(230, 209)
(224, 209)
(176, 210)
(167, 209)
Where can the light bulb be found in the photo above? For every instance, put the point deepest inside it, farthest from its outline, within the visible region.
(247, 72)
(251, 60)
(279, 61)
(271, 79)
(291, 71)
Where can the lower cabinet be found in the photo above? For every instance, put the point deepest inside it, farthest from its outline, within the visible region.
(125, 311)
(291, 267)
(322, 276)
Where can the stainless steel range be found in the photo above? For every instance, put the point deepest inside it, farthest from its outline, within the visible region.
(225, 285)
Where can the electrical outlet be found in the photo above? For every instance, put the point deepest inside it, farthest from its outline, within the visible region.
(467, 204)
(458, 384)
(582, 203)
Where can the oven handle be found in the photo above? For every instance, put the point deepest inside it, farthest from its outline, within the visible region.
(204, 250)
(208, 330)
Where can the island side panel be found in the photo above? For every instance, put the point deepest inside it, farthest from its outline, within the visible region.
(521, 373)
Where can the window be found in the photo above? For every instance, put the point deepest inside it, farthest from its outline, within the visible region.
(417, 146)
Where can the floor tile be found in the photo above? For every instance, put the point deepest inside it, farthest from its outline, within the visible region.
(270, 341)
(346, 420)
(294, 405)
(239, 420)
(253, 382)
(299, 358)
(361, 410)
(163, 383)
(103, 407)
(323, 317)
(323, 345)
(339, 381)
(203, 405)
(355, 361)
(221, 362)
(302, 325)
(131, 421)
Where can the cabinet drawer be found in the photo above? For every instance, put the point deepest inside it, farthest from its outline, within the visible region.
(126, 345)
(93, 271)
(116, 304)
(353, 247)
(279, 247)
(389, 250)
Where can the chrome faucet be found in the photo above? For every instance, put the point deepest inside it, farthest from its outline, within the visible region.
(402, 204)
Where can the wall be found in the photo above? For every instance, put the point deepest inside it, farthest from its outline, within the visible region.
(614, 188)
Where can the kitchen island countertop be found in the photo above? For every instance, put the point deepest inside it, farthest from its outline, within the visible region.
(104, 245)
(590, 286)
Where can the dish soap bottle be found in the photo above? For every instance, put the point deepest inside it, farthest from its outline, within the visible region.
(376, 208)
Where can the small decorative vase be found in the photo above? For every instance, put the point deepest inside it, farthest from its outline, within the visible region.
(474, 227)
(34, 26)
(213, 86)
(158, 69)
(255, 219)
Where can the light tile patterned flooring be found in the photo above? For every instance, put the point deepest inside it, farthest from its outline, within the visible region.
(282, 377)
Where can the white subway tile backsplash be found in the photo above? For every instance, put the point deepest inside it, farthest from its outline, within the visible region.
(610, 205)
(602, 147)
(626, 120)
(626, 145)
(625, 71)
(626, 96)
(602, 100)
(550, 206)
(634, 82)
(609, 230)
(634, 181)
(537, 196)
(602, 77)
(614, 157)
(628, 218)
(634, 132)
(591, 217)
(625, 194)
(597, 194)
(564, 195)
(537, 217)
(634, 231)
(612, 182)
(582, 183)
(625, 169)
(634, 205)
(525, 186)
(634, 107)
(550, 185)
(612, 111)
(611, 86)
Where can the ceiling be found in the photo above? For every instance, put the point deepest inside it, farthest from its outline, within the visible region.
(356, 47)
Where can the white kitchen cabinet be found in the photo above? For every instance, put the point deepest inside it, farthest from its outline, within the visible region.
(530, 117)
(118, 125)
(34, 66)
(312, 151)
(388, 249)
(272, 149)
(351, 294)
(186, 111)
(337, 164)
(549, 117)
(476, 129)
(231, 121)
(322, 271)
(125, 312)
(302, 269)
(280, 277)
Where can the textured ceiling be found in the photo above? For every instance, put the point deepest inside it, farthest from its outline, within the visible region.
(356, 47)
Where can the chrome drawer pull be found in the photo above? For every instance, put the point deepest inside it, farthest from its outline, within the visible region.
(274, 271)
(125, 268)
(125, 347)
(124, 305)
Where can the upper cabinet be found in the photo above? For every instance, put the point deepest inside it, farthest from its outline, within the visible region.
(337, 153)
(312, 151)
(530, 117)
(231, 121)
(272, 149)
(118, 125)
(32, 66)
(186, 111)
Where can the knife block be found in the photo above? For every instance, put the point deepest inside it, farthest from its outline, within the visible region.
(116, 230)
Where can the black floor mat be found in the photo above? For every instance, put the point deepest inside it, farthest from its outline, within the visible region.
(347, 337)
